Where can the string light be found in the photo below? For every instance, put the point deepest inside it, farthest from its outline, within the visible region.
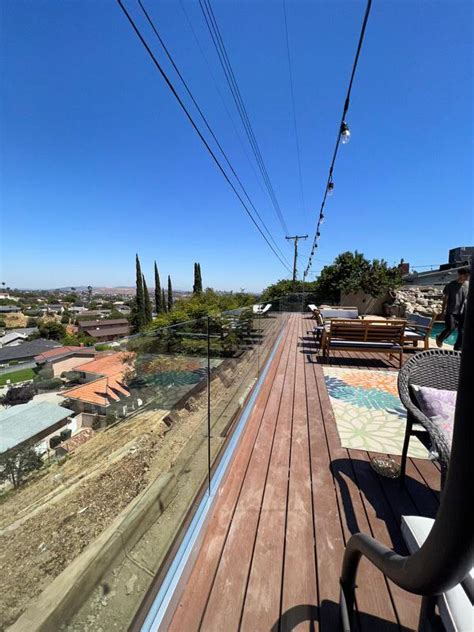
(345, 133)
(343, 137)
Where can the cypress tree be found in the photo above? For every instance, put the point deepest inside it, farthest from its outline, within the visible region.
(147, 302)
(158, 307)
(198, 265)
(195, 286)
(139, 318)
(170, 294)
(163, 301)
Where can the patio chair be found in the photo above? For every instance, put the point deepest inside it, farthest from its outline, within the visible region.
(418, 329)
(265, 309)
(257, 309)
(436, 368)
(444, 553)
(455, 605)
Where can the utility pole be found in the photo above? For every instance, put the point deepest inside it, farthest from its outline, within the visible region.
(295, 238)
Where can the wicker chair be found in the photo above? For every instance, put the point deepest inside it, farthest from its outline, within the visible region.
(437, 368)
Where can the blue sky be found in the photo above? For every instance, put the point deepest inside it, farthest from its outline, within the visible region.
(98, 162)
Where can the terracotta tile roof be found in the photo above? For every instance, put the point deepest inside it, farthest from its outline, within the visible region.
(102, 392)
(110, 364)
(61, 351)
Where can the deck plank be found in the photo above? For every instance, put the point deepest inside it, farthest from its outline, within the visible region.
(272, 553)
(263, 596)
(299, 598)
(192, 604)
(224, 608)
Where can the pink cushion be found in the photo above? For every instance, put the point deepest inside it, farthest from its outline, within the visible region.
(439, 405)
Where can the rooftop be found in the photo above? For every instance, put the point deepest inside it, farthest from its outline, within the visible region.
(28, 349)
(103, 323)
(101, 392)
(20, 423)
(108, 365)
(63, 351)
(107, 331)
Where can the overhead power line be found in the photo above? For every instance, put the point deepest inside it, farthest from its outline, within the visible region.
(221, 97)
(342, 136)
(297, 141)
(196, 129)
(201, 113)
(229, 74)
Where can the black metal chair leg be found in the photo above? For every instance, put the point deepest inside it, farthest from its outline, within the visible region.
(406, 442)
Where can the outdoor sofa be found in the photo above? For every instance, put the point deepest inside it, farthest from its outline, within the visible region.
(380, 336)
(324, 315)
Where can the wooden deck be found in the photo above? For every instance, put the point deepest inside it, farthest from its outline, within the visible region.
(271, 554)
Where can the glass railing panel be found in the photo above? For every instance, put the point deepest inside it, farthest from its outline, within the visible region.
(152, 418)
(152, 474)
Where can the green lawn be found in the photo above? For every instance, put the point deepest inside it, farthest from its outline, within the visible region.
(17, 376)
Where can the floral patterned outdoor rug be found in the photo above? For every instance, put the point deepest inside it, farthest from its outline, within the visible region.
(369, 415)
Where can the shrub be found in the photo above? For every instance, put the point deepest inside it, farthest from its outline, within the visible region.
(19, 395)
(103, 347)
(49, 384)
(65, 434)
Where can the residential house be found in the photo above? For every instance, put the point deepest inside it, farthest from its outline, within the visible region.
(33, 423)
(55, 308)
(12, 339)
(104, 330)
(106, 387)
(9, 309)
(77, 309)
(27, 351)
(63, 359)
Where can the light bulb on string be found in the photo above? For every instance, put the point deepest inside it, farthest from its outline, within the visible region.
(330, 187)
(321, 218)
(345, 133)
(318, 234)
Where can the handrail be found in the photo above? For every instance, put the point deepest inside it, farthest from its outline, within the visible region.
(446, 556)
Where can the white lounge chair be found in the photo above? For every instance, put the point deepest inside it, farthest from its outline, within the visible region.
(266, 308)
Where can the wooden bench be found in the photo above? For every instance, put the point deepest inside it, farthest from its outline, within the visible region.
(384, 336)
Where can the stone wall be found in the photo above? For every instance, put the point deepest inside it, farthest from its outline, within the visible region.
(426, 300)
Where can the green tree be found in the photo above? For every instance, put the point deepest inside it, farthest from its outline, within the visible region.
(18, 395)
(197, 287)
(138, 311)
(163, 301)
(147, 303)
(52, 330)
(158, 306)
(16, 463)
(170, 294)
(351, 272)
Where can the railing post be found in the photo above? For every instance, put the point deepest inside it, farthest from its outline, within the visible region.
(208, 405)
